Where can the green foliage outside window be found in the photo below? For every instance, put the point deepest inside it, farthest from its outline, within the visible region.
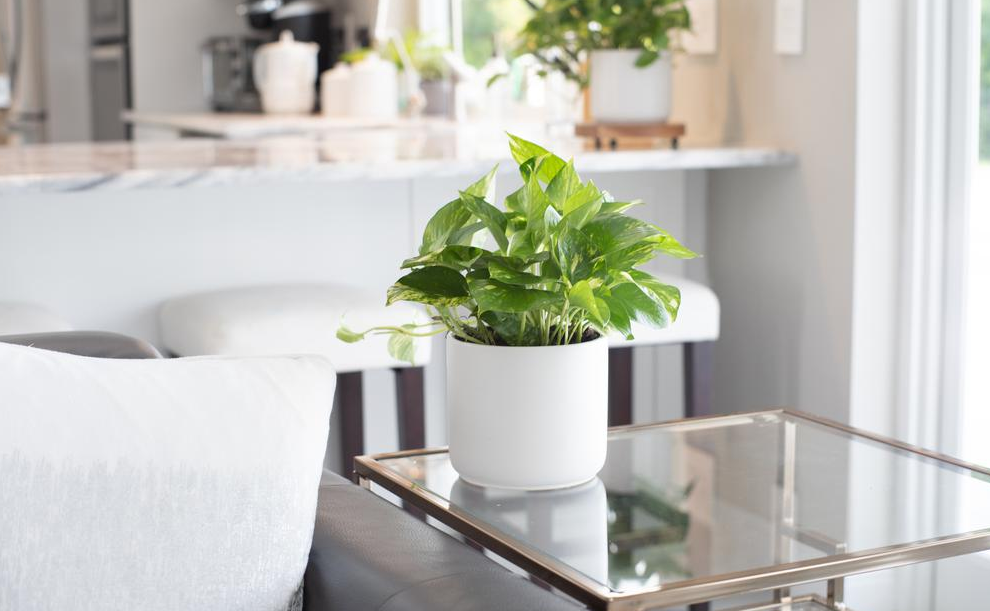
(491, 23)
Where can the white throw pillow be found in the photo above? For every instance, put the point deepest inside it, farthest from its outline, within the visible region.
(158, 484)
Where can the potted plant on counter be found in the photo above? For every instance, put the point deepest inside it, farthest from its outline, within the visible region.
(624, 44)
(428, 61)
(527, 294)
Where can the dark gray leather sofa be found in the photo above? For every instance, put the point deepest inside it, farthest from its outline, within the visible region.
(367, 555)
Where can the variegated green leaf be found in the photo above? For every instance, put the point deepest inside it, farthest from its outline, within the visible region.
(402, 347)
(491, 216)
(492, 295)
(454, 256)
(524, 150)
(563, 186)
(504, 273)
(669, 296)
(445, 223)
(435, 285)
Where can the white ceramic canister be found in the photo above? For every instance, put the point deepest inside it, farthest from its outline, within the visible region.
(335, 91)
(285, 75)
(374, 89)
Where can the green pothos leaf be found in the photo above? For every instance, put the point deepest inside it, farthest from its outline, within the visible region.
(501, 297)
(445, 223)
(490, 216)
(503, 273)
(667, 244)
(582, 196)
(576, 254)
(611, 232)
(669, 296)
(617, 207)
(485, 186)
(402, 347)
(563, 186)
(524, 150)
(347, 335)
(435, 285)
(633, 302)
(455, 256)
(583, 296)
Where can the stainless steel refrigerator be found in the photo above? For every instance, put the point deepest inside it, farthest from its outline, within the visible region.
(109, 67)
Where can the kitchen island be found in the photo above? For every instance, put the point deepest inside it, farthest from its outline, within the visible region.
(103, 233)
(405, 151)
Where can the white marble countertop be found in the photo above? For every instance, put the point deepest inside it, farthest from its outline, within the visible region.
(237, 126)
(402, 152)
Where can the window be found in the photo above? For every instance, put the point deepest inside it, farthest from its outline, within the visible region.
(976, 382)
(490, 26)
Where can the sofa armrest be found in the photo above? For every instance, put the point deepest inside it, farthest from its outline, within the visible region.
(87, 343)
(369, 555)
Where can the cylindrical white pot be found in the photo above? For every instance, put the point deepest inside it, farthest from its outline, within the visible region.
(623, 93)
(530, 418)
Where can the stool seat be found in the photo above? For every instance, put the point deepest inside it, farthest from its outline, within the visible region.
(18, 318)
(289, 319)
(697, 320)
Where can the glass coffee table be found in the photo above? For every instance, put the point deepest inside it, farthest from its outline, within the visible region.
(689, 511)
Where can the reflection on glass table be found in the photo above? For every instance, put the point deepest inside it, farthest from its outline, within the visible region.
(690, 511)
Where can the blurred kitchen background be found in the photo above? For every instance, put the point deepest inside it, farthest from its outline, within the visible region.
(81, 70)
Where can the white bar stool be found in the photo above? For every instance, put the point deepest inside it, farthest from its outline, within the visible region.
(696, 327)
(18, 318)
(303, 319)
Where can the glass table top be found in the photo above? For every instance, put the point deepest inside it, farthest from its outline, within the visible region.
(699, 499)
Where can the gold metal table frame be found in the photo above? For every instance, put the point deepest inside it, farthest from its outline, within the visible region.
(831, 569)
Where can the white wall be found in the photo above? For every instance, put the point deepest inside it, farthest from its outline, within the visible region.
(166, 41)
(780, 241)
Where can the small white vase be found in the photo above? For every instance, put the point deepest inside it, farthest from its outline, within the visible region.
(528, 418)
(623, 93)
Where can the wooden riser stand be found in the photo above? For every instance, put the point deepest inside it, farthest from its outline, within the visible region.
(612, 132)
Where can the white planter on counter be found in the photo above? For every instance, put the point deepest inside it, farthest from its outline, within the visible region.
(374, 89)
(528, 418)
(623, 93)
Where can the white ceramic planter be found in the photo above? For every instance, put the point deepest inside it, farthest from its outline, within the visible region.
(527, 418)
(623, 93)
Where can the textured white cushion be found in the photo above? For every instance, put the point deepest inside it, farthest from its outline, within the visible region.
(158, 484)
(297, 319)
(17, 318)
(697, 319)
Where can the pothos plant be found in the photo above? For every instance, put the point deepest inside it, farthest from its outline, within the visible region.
(560, 32)
(558, 264)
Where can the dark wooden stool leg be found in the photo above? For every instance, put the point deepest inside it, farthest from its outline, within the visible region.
(620, 386)
(411, 416)
(698, 369)
(351, 402)
(698, 376)
(409, 391)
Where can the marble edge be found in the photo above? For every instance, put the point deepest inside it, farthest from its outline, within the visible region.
(334, 171)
